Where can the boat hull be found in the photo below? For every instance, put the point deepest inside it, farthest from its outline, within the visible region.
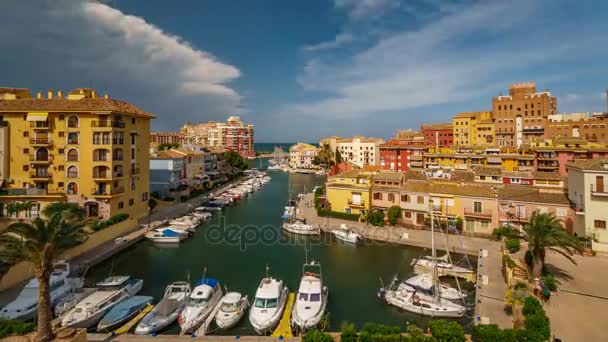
(406, 303)
(267, 326)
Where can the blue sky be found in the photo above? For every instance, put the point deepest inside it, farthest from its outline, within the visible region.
(300, 70)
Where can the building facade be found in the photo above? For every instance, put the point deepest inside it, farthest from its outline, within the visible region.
(360, 151)
(473, 129)
(591, 127)
(350, 192)
(167, 172)
(233, 134)
(158, 138)
(438, 135)
(588, 193)
(402, 155)
(301, 156)
(78, 147)
(522, 115)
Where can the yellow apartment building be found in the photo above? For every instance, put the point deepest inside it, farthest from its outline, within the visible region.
(474, 129)
(77, 147)
(350, 192)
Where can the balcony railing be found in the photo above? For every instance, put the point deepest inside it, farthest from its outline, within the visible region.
(107, 124)
(478, 213)
(40, 124)
(72, 175)
(102, 158)
(356, 204)
(40, 159)
(598, 191)
(40, 141)
(40, 174)
(101, 175)
(118, 174)
(98, 192)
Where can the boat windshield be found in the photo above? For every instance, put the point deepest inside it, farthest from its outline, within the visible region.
(267, 303)
(199, 301)
(309, 297)
(229, 307)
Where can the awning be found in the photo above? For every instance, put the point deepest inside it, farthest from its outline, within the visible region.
(36, 116)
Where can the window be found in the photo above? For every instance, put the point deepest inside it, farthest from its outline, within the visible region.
(561, 212)
(61, 134)
(26, 167)
(121, 205)
(61, 151)
(26, 151)
(73, 138)
(404, 198)
(470, 225)
(60, 184)
(72, 155)
(477, 207)
(60, 168)
(133, 121)
(420, 200)
(133, 138)
(600, 224)
(72, 121)
(449, 202)
(72, 188)
(61, 117)
(133, 157)
(131, 201)
(26, 134)
(377, 196)
(407, 214)
(72, 172)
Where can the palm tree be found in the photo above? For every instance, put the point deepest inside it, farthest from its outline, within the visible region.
(71, 212)
(545, 232)
(41, 243)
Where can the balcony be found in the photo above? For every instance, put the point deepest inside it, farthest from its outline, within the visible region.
(40, 174)
(360, 204)
(578, 211)
(41, 159)
(533, 130)
(101, 175)
(31, 192)
(107, 124)
(548, 166)
(40, 124)
(102, 158)
(416, 157)
(598, 191)
(481, 214)
(118, 174)
(525, 167)
(107, 192)
(40, 141)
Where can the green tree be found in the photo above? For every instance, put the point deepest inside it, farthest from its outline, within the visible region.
(376, 218)
(166, 146)
(70, 212)
(545, 232)
(338, 156)
(235, 160)
(325, 154)
(41, 243)
(447, 331)
(393, 214)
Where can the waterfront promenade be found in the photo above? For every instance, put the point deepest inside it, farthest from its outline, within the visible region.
(490, 287)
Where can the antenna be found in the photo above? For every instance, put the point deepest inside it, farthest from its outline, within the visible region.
(267, 270)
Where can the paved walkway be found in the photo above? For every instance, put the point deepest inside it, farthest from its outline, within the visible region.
(491, 286)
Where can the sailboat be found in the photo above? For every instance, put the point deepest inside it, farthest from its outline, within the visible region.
(294, 225)
(408, 298)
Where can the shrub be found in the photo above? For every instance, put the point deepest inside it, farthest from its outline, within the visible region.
(317, 336)
(348, 333)
(337, 214)
(529, 258)
(447, 331)
(168, 199)
(99, 225)
(155, 194)
(537, 324)
(549, 281)
(364, 336)
(512, 245)
(152, 203)
(13, 327)
(393, 214)
(319, 191)
(505, 231)
(376, 218)
(492, 333)
(381, 329)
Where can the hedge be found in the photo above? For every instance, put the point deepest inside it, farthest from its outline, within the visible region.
(13, 327)
(99, 225)
(337, 214)
(447, 331)
(317, 336)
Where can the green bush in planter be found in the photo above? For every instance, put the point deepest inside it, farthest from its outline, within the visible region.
(317, 336)
(447, 331)
(512, 245)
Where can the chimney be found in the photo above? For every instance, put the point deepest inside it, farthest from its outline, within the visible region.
(50, 94)
(39, 95)
(60, 94)
(93, 94)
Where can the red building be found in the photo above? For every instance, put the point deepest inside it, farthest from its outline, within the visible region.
(402, 155)
(438, 135)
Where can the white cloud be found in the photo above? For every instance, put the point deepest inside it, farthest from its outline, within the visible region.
(80, 43)
(359, 9)
(340, 40)
(440, 62)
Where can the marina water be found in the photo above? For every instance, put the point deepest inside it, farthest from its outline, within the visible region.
(236, 244)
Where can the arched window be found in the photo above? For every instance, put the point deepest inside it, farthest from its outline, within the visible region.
(42, 154)
(72, 172)
(101, 172)
(72, 121)
(73, 155)
(73, 138)
(117, 154)
(101, 155)
(72, 188)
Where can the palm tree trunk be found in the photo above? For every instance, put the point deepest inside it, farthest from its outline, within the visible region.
(45, 331)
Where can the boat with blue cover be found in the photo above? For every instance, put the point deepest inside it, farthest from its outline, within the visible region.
(123, 312)
(205, 296)
(165, 236)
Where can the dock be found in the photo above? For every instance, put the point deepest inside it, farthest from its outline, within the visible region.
(284, 327)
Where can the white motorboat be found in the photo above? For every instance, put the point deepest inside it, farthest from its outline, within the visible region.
(110, 292)
(311, 299)
(202, 215)
(61, 285)
(167, 310)
(165, 236)
(442, 263)
(410, 299)
(190, 222)
(290, 210)
(68, 302)
(205, 296)
(424, 283)
(268, 305)
(232, 308)
(346, 235)
(208, 208)
(299, 227)
(181, 230)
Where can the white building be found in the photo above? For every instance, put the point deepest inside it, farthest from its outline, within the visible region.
(301, 156)
(588, 191)
(360, 151)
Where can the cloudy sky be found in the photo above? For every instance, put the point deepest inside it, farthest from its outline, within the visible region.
(300, 70)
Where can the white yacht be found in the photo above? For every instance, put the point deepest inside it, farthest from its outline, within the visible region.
(268, 305)
(442, 263)
(165, 235)
(205, 296)
(61, 285)
(188, 221)
(232, 308)
(110, 292)
(311, 299)
(424, 282)
(346, 235)
(299, 227)
(167, 310)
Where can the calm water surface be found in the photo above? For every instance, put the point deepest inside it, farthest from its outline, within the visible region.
(352, 273)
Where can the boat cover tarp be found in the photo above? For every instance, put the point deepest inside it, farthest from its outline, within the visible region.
(170, 233)
(167, 306)
(207, 281)
(126, 307)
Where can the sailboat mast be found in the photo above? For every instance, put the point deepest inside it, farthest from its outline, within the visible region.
(434, 254)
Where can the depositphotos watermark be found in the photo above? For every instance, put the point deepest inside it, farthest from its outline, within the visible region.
(247, 235)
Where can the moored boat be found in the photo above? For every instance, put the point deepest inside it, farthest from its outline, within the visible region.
(424, 283)
(167, 310)
(268, 305)
(232, 308)
(346, 235)
(165, 235)
(299, 227)
(204, 297)
(123, 312)
(311, 299)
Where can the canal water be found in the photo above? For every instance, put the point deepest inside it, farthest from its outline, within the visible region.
(236, 244)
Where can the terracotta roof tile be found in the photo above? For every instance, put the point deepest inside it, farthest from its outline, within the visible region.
(590, 164)
(65, 105)
(527, 194)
